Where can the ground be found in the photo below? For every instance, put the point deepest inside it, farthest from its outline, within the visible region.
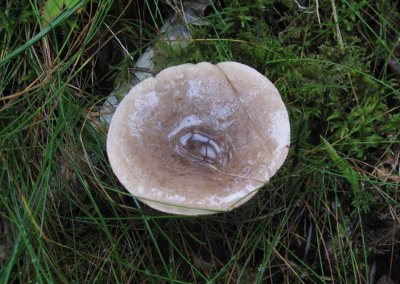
(330, 213)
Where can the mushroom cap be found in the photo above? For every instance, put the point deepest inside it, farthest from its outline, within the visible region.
(199, 138)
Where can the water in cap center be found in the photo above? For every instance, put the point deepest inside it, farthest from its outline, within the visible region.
(202, 147)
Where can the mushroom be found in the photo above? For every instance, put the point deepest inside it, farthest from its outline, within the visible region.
(199, 138)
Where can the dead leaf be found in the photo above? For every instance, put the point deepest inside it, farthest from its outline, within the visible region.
(388, 168)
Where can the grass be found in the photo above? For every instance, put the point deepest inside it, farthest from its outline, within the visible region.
(329, 215)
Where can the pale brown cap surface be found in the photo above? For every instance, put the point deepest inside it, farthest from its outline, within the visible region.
(199, 139)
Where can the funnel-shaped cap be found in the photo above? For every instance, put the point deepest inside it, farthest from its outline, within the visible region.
(199, 139)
